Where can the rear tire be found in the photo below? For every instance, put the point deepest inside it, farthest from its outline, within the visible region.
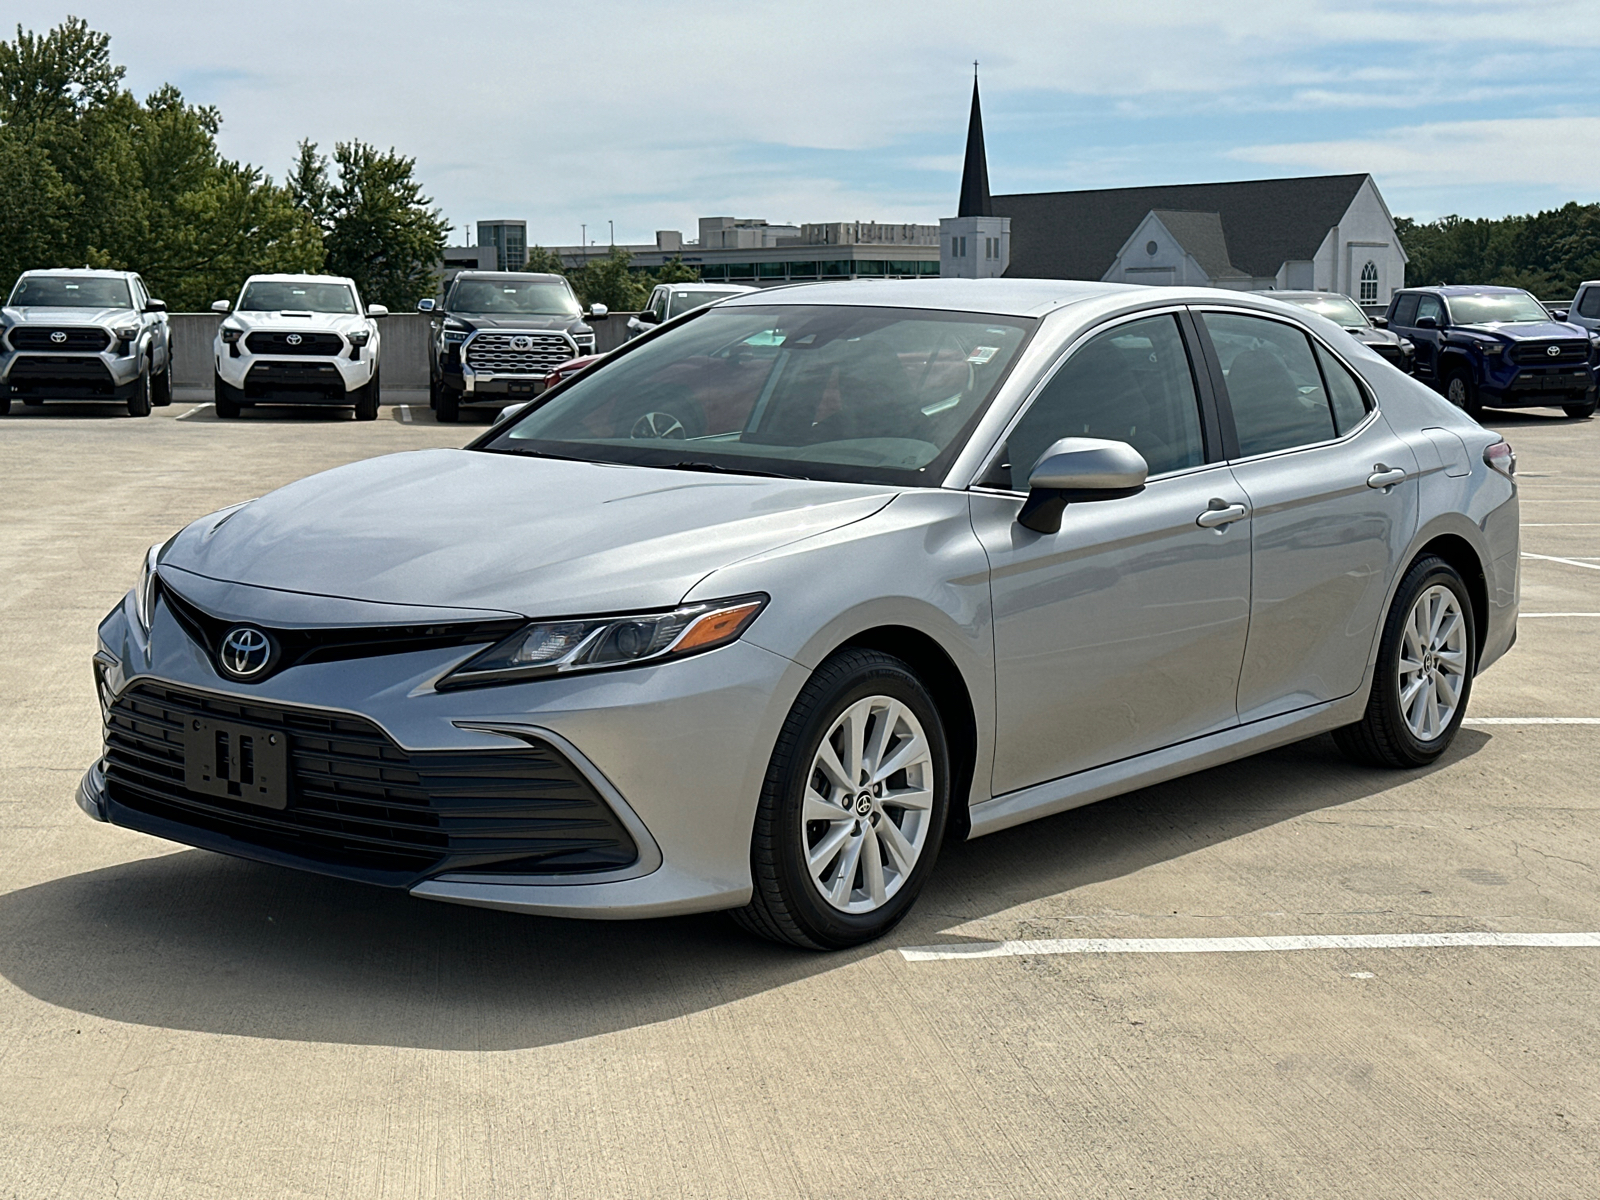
(817, 833)
(1429, 650)
(139, 401)
(367, 399)
(225, 398)
(1459, 391)
(1578, 412)
(448, 410)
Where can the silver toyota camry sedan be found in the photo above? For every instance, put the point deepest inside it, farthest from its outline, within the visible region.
(788, 592)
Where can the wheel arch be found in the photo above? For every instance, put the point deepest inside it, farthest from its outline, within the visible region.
(934, 666)
(1461, 555)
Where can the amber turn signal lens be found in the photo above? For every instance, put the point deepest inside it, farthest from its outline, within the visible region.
(716, 627)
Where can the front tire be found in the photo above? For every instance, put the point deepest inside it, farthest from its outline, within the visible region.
(448, 410)
(161, 388)
(1458, 389)
(368, 399)
(852, 811)
(1578, 412)
(139, 399)
(225, 398)
(1423, 677)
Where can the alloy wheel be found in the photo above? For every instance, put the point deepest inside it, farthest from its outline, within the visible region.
(868, 804)
(1456, 391)
(1433, 662)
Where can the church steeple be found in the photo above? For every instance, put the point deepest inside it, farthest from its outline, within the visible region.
(975, 172)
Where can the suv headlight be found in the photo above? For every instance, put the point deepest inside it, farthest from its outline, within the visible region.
(126, 333)
(144, 591)
(455, 334)
(230, 334)
(561, 647)
(359, 337)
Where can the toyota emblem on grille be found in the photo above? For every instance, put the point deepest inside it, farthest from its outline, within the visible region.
(522, 343)
(293, 339)
(58, 337)
(1554, 351)
(245, 652)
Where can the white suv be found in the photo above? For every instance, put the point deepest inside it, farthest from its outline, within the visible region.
(298, 339)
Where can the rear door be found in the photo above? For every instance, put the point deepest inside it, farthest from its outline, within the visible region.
(1333, 496)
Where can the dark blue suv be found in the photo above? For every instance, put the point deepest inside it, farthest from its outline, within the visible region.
(1496, 346)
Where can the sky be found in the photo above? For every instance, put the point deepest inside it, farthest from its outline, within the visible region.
(645, 116)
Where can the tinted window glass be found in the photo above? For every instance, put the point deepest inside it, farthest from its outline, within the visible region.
(808, 390)
(1130, 384)
(514, 297)
(1405, 309)
(277, 296)
(1344, 393)
(1589, 302)
(1494, 308)
(1274, 386)
(1339, 309)
(70, 291)
(1429, 306)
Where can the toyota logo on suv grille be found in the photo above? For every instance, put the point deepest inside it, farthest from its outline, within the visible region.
(245, 652)
(293, 339)
(1554, 351)
(522, 343)
(58, 337)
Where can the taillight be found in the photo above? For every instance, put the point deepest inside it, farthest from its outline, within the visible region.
(1501, 457)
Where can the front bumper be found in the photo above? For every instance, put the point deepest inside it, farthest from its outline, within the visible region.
(105, 375)
(304, 379)
(1534, 387)
(676, 750)
(483, 387)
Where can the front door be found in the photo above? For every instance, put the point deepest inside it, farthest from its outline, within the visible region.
(1333, 496)
(1123, 632)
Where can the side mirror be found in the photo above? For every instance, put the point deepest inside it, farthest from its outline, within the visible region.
(155, 306)
(648, 317)
(220, 306)
(1559, 314)
(509, 411)
(1379, 322)
(599, 312)
(1079, 469)
(425, 305)
(1427, 323)
(377, 310)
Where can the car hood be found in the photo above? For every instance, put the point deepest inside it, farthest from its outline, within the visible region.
(1371, 335)
(513, 321)
(35, 315)
(1528, 331)
(289, 319)
(536, 536)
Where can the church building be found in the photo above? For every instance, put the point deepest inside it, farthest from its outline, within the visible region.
(1328, 233)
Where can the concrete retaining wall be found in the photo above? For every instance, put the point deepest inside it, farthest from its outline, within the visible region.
(405, 347)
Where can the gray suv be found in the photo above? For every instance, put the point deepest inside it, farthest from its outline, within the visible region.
(84, 335)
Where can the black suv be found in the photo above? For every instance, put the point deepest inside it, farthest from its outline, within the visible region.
(1496, 346)
(497, 334)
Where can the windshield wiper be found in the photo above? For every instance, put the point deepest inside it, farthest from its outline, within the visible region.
(717, 469)
(527, 453)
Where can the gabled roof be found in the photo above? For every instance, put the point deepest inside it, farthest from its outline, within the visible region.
(1265, 222)
(1201, 235)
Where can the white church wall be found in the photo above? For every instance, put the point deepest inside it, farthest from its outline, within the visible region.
(974, 247)
(1365, 234)
(1153, 256)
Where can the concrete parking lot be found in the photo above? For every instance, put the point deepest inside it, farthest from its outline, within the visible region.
(174, 1023)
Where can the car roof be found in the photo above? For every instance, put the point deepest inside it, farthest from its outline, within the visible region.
(301, 279)
(1301, 295)
(1471, 289)
(508, 275)
(704, 285)
(85, 272)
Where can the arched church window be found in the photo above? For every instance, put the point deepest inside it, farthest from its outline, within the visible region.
(1369, 283)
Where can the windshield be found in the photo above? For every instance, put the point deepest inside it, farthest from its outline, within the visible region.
(862, 395)
(1340, 309)
(266, 296)
(520, 297)
(682, 302)
(1494, 308)
(69, 291)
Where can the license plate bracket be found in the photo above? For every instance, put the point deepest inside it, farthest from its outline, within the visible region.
(236, 762)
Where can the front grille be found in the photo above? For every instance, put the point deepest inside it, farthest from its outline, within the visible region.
(39, 337)
(328, 345)
(493, 352)
(265, 377)
(1539, 352)
(359, 805)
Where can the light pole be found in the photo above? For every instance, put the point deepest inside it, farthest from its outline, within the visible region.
(583, 242)
(613, 235)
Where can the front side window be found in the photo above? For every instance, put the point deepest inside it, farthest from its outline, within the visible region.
(1369, 283)
(1131, 384)
(69, 291)
(1429, 306)
(1274, 386)
(514, 297)
(276, 296)
(868, 395)
(1496, 308)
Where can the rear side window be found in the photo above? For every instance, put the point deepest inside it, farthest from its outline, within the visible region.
(1274, 386)
(1344, 393)
(1589, 302)
(1405, 310)
(1131, 384)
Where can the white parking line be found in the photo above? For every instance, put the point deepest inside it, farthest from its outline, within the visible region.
(1571, 562)
(1535, 616)
(1531, 721)
(1560, 524)
(405, 414)
(1245, 945)
(198, 408)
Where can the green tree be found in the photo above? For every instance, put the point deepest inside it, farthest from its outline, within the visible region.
(543, 261)
(675, 270)
(1548, 253)
(377, 226)
(610, 281)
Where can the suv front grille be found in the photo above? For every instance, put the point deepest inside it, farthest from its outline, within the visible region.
(1535, 353)
(40, 337)
(326, 344)
(360, 806)
(494, 352)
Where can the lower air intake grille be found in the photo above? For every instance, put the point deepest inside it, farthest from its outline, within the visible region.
(359, 806)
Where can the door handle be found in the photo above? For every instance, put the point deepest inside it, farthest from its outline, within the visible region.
(1214, 518)
(1383, 477)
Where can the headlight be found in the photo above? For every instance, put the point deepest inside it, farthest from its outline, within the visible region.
(230, 334)
(126, 333)
(1407, 346)
(144, 592)
(359, 337)
(560, 647)
(454, 337)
